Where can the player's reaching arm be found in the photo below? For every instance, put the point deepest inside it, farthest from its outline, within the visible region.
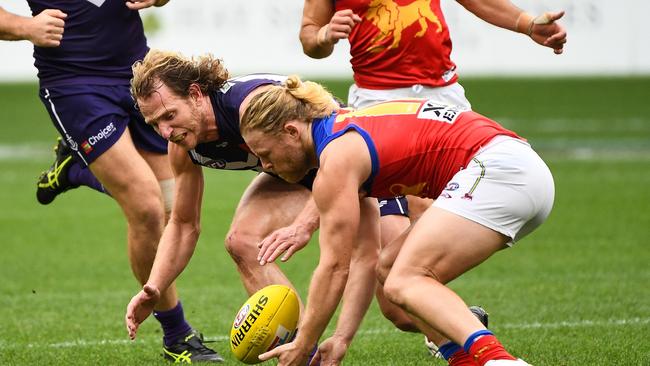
(543, 28)
(322, 28)
(43, 30)
(178, 239)
(360, 287)
(336, 194)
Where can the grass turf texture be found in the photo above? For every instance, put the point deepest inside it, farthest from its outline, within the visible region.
(573, 293)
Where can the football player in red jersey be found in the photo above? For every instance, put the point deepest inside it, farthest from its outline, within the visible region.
(491, 189)
(402, 49)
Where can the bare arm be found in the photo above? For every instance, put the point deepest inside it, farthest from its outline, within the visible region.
(336, 195)
(321, 28)
(359, 289)
(178, 240)
(43, 30)
(542, 29)
(182, 232)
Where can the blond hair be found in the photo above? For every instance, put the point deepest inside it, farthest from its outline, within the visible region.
(293, 100)
(177, 72)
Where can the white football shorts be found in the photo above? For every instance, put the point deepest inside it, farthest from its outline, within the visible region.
(506, 187)
(453, 94)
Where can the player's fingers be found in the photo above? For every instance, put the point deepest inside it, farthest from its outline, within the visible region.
(268, 355)
(150, 290)
(56, 22)
(342, 27)
(343, 13)
(557, 38)
(56, 31)
(281, 248)
(137, 5)
(55, 13)
(287, 255)
(316, 359)
(266, 250)
(50, 43)
(356, 18)
(131, 326)
(555, 16)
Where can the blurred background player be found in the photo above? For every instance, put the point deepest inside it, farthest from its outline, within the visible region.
(402, 49)
(192, 103)
(83, 51)
(491, 190)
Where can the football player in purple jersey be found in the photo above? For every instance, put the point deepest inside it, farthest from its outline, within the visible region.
(84, 51)
(193, 104)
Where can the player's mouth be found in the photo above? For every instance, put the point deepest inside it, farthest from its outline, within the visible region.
(178, 138)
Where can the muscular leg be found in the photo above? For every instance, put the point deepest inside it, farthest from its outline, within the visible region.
(440, 247)
(134, 186)
(391, 227)
(417, 206)
(267, 204)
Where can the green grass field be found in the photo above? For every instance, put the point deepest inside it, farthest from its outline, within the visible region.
(576, 292)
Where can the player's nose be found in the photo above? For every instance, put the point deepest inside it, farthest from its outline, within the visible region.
(165, 131)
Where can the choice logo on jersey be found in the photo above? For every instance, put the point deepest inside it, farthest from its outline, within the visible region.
(104, 133)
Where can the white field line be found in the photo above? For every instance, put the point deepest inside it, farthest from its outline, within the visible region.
(80, 343)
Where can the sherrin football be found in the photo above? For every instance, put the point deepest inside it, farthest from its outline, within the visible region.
(267, 319)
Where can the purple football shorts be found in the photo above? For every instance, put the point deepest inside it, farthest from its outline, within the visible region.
(393, 206)
(91, 118)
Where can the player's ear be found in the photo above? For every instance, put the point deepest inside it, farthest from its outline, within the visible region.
(194, 92)
(291, 128)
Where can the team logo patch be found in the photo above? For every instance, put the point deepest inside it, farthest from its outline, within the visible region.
(217, 164)
(418, 189)
(71, 143)
(439, 112)
(452, 186)
(86, 147)
(239, 319)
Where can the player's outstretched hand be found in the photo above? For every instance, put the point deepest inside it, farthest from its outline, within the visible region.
(332, 351)
(547, 32)
(46, 28)
(287, 240)
(288, 355)
(140, 307)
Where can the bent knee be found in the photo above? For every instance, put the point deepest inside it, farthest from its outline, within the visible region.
(145, 210)
(394, 290)
(241, 246)
(399, 319)
(384, 265)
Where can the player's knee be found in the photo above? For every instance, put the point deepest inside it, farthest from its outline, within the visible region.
(384, 264)
(145, 210)
(395, 289)
(241, 247)
(399, 319)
